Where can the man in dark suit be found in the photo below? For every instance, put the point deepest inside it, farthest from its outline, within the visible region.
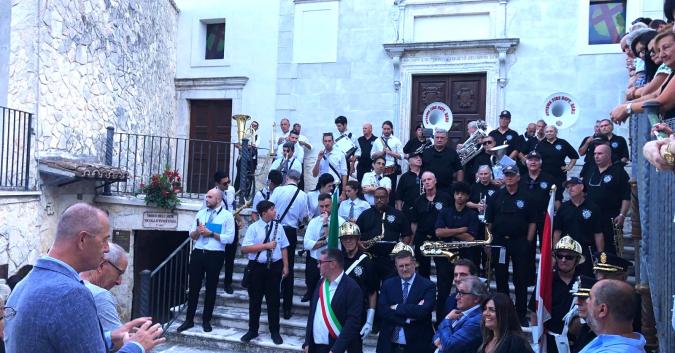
(335, 313)
(404, 308)
(460, 330)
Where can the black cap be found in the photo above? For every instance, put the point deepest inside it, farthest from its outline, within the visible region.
(415, 153)
(533, 154)
(573, 180)
(582, 288)
(505, 113)
(607, 262)
(511, 169)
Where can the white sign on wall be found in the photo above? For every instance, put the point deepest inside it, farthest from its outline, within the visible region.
(160, 220)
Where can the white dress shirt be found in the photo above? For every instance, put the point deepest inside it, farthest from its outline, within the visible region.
(355, 139)
(359, 206)
(293, 164)
(298, 152)
(281, 197)
(395, 145)
(227, 198)
(314, 232)
(260, 195)
(255, 234)
(337, 159)
(319, 328)
(313, 203)
(222, 217)
(373, 179)
(303, 138)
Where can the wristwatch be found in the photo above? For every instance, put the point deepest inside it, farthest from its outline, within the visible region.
(629, 108)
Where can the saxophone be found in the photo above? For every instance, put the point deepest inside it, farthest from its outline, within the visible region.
(442, 248)
(367, 244)
(618, 237)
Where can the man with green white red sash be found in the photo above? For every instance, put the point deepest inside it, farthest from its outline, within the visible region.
(334, 320)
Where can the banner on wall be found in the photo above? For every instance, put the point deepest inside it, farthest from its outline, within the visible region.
(561, 110)
(437, 115)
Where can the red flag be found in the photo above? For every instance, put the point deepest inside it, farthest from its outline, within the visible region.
(545, 278)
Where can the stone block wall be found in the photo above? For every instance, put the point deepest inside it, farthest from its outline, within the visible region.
(84, 65)
(20, 224)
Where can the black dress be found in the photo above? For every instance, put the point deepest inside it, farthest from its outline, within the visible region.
(512, 344)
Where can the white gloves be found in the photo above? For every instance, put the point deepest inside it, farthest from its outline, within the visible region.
(368, 326)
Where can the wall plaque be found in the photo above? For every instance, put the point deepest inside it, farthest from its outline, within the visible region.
(122, 238)
(160, 220)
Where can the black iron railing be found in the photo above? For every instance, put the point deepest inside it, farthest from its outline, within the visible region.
(163, 293)
(16, 129)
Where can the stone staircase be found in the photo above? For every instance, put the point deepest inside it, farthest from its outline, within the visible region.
(230, 317)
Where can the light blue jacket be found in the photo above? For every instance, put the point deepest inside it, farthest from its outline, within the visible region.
(55, 313)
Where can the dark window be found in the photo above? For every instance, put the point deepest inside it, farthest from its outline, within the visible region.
(215, 41)
(606, 21)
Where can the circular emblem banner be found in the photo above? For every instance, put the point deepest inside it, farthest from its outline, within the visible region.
(437, 115)
(561, 110)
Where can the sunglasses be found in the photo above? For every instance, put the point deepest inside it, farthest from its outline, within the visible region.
(565, 257)
(487, 143)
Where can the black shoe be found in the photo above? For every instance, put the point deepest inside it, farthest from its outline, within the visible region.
(287, 314)
(305, 298)
(186, 325)
(228, 289)
(249, 336)
(207, 326)
(276, 338)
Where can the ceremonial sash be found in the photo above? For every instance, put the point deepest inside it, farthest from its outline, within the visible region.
(327, 313)
(351, 268)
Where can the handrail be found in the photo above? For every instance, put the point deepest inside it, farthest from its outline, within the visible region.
(168, 258)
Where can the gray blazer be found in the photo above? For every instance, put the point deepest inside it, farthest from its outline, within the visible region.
(55, 312)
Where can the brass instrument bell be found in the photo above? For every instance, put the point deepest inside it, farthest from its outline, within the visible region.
(241, 120)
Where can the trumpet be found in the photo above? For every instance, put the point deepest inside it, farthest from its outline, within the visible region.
(367, 244)
(618, 237)
(449, 250)
(481, 215)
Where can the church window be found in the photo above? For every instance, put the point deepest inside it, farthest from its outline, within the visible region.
(606, 21)
(215, 41)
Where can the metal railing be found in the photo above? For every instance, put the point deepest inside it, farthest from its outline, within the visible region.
(163, 293)
(16, 130)
(144, 155)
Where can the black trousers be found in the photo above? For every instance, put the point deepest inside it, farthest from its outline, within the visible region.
(517, 251)
(532, 264)
(312, 274)
(444, 273)
(392, 193)
(264, 282)
(230, 252)
(287, 283)
(608, 232)
(209, 263)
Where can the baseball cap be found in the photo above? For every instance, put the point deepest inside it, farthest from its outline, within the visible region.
(573, 180)
(533, 154)
(505, 113)
(511, 169)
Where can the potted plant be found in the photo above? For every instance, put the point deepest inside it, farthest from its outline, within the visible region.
(162, 189)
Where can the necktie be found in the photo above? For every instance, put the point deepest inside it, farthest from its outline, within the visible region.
(378, 178)
(212, 214)
(397, 331)
(351, 210)
(285, 167)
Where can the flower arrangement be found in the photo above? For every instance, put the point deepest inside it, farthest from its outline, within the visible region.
(162, 189)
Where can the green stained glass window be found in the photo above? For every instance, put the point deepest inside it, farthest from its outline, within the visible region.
(606, 21)
(215, 41)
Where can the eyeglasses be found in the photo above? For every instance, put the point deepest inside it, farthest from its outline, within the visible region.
(565, 257)
(461, 294)
(488, 143)
(115, 267)
(8, 313)
(324, 261)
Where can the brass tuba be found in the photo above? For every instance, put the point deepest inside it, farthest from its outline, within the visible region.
(449, 250)
(472, 147)
(241, 120)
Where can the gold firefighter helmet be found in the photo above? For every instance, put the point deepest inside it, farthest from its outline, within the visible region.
(401, 246)
(349, 228)
(569, 244)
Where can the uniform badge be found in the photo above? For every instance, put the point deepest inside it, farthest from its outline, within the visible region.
(520, 203)
(358, 271)
(439, 206)
(615, 144)
(491, 192)
(558, 147)
(509, 137)
(607, 178)
(543, 185)
(603, 258)
(391, 218)
(586, 213)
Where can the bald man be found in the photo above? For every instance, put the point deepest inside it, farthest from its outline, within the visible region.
(610, 315)
(365, 145)
(55, 312)
(212, 230)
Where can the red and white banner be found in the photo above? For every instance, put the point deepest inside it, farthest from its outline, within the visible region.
(545, 278)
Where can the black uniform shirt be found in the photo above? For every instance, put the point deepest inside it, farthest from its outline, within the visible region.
(396, 226)
(425, 213)
(364, 274)
(365, 145)
(407, 190)
(478, 191)
(588, 157)
(471, 168)
(412, 145)
(451, 218)
(560, 305)
(511, 137)
(539, 191)
(580, 222)
(553, 156)
(510, 215)
(443, 164)
(608, 189)
(619, 148)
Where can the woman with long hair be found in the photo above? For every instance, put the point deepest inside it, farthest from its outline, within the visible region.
(324, 185)
(500, 327)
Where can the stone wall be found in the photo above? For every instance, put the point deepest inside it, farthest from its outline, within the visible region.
(84, 65)
(20, 224)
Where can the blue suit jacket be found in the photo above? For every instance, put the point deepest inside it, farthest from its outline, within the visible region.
(55, 313)
(419, 331)
(347, 304)
(465, 337)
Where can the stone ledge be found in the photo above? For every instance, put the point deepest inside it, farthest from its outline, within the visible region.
(20, 194)
(185, 205)
(500, 44)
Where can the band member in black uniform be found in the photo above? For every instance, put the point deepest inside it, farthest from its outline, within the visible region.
(482, 158)
(503, 134)
(396, 228)
(580, 333)
(607, 187)
(580, 219)
(266, 246)
(482, 190)
(359, 266)
(618, 144)
(416, 142)
(443, 161)
(588, 145)
(363, 160)
(554, 151)
(511, 219)
(455, 222)
(611, 266)
(409, 185)
(538, 184)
